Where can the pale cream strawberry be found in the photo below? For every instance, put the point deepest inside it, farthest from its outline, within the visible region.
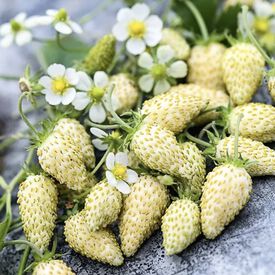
(226, 191)
(52, 267)
(100, 245)
(142, 212)
(205, 66)
(37, 199)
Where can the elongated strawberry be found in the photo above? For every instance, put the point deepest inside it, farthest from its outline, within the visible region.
(100, 245)
(125, 92)
(262, 157)
(242, 68)
(52, 267)
(77, 132)
(180, 225)
(258, 122)
(102, 206)
(173, 110)
(142, 212)
(271, 87)
(205, 66)
(215, 98)
(226, 191)
(37, 199)
(62, 158)
(177, 42)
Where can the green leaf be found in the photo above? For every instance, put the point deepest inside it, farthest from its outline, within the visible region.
(51, 52)
(228, 20)
(207, 8)
(4, 227)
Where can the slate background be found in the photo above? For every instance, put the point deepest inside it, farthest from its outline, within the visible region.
(247, 246)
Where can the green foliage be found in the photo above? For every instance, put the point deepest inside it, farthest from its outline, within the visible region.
(51, 52)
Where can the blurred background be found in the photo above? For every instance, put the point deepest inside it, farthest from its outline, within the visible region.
(246, 247)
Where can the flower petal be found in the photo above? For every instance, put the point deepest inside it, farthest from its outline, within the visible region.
(110, 161)
(75, 27)
(152, 38)
(153, 22)
(72, 76)
(135, 46)
(124, 14)
(36, 20)
(98, 132)
(6, 41)
(120, 31)
(177, 69)
(132, 176)
(68, 96)
(141, 11)
(263, 8)
(46, 82)
(146, 83)
(165, 54)
(81, 101)
(101, 79)
(161, 87)
(123, 187)
(52, 98)
(56, 70)
(23, 37)
(5, 29)
(51, 12)
(111, 179)
(145, 61)
(121, 158)
(98, 144)
(97, 113)
(63, 28)
(85, 83)
(20, 17)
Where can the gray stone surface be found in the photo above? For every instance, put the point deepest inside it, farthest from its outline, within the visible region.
(247, 246)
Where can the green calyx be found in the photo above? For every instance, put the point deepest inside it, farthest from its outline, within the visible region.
(100, 56)
(61, 15)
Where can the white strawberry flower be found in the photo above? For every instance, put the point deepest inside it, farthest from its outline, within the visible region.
(17, 31)
(92, 95)
(98, 142)
(118, 175)
(160, 71)
(59, 84)
(138, 27)
(61, 21)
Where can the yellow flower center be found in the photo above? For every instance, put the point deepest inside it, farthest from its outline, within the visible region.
(59, 85)
(115, 134)
(96, 93)
(261, 24)
(136, 29)
(158, 71)
(61, 15)
(15, 26)
(268, 40)
(120, 171)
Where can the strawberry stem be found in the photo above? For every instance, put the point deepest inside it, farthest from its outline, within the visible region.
(9, 77)
(25, 119)
(196, 140)
(207, 127)
(23, 261)
(199, 19)
(100, 163)
(252, 38)
(100, 126)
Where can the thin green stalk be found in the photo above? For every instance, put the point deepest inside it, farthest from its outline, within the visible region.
(110, 108)
(196, 140)
(252, 38)
(101, 7)
(20, 108)
(31, 245)
(3, 201)
(205, 128)
(15, 226)
(9, 77)
(23, 261)
(3, 183)
(12, 139)
(100, 163)
(100, 126)
(199, 19)
(40, 104)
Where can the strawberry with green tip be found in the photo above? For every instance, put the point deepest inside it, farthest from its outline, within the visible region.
(100, 245)
(242, 68)
(102, 206)
(141, 213)
(52, 267)
(180, 225)
(37, 199)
